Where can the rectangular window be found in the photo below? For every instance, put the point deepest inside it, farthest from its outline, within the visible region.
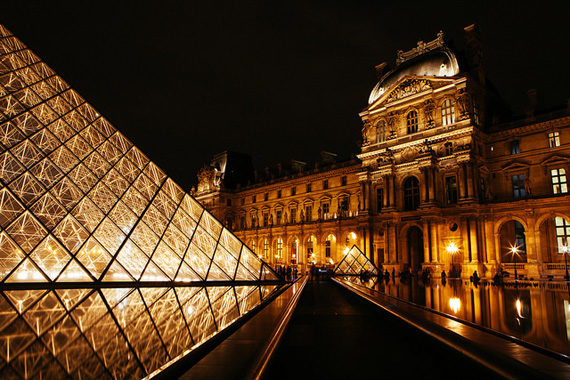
(265, 196)
(229, 202)
(242, 201)
(278, 193)
(343, 180)
(265, 219)
(278, 216)
(344, 204)
(326, 210)
(328, 248)
(553, 139)
(325, 184)
(293, 215)
(518, 186)
(451, 188)
(515, 147)
(266, 249)
(293, 190)
(559, 183)
(562, 233)
(253, 200)
(379, 199)
(308, 213)
(309, 188)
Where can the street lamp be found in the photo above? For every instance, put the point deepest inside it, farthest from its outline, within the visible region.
(515, 251)
(565, 252)
(452, 249)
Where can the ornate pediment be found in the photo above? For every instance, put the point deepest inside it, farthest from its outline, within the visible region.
(515, 166)
(407, 88)
(555, 159)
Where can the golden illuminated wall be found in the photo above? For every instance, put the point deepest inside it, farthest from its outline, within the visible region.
(80, 204)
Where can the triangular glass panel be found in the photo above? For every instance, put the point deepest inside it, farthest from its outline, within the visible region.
(74, 273)
(27, 272)
(10, 255)
(355, 262)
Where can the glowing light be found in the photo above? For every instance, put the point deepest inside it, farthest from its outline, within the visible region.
(345, 251)
(455, 304)
(352, 235)
(518, 306)
(564, 249)
(452, 248)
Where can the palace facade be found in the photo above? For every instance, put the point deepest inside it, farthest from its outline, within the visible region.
(446, 179)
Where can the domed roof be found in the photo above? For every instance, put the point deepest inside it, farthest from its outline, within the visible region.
(440, 62)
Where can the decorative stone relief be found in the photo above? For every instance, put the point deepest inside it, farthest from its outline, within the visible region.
(463, 101)
(429, 109)
(391, 120)
(407, 88)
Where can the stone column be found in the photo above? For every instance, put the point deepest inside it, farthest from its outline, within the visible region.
(425, 232)
(465, 237)
(434, 242)
(470, 180)
(431, 192)
(462, 181)
(473, 240)
(385, 200)
(392, 191)
(423, 186)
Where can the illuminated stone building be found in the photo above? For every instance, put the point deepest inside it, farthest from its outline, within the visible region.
(446, 179)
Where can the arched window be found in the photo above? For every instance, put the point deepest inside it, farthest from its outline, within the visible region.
(310, 248)
(447, 112)
(294, 248)
(562, 233)
(253, 246)
(412, 122)
(328, 246)
(265, 249)
(279, 248)
(411, 193)
(381, 131)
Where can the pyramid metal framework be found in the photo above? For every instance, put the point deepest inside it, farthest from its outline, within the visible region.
(108, 268)
(355, 263)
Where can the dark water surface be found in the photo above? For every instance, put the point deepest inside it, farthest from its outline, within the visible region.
(536, 312)
(336, 334)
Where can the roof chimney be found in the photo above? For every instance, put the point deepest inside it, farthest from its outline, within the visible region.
(474, 51)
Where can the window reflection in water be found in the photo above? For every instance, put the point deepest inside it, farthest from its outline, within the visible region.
(538, 313)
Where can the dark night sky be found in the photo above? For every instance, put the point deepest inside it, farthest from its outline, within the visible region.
(275, 79)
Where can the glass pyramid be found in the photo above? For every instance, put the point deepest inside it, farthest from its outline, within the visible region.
(107, 267)
(355, 263)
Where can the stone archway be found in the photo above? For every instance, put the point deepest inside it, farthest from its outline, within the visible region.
(512, 236)
(415, 244)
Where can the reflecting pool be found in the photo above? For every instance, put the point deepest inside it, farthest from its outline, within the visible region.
(535, 312)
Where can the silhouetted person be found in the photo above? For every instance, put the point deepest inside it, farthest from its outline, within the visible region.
(476, 277)
(443, 275)
(387, 274)
(393, 274)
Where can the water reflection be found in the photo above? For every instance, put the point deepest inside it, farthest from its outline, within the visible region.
(538, 313)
